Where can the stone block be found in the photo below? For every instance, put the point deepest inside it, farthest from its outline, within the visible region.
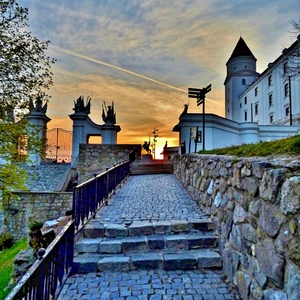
(290, 195)
(176, 242)
(180, 261)
(162, 227)
(134, 244)
(270, 261)
(147, 261)
(243, 284)
(115, 230)
(85, 264)
(120, 263)
(201, 241)
(208, 259)
(202, 224)
(275, 295)
(156, 242)
(88, 245)
(180, 226)
(110, 246)
(270, 183)
(292, 281)
(94, 230)
(140, 228)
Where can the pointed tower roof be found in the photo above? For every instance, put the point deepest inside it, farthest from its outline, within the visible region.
(241, 49)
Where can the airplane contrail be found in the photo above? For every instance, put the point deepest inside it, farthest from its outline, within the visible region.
(115, 67)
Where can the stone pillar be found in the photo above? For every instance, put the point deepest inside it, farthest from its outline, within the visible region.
(39, 120)
(78, 133)
(109, 134)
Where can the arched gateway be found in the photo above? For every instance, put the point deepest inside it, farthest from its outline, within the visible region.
(84, 127)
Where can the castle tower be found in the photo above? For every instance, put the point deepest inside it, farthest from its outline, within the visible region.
(241, 72)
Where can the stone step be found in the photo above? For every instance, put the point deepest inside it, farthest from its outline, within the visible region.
(176, 242)
(96, 229)
(200, 258)
(151, 169)
(145, 167)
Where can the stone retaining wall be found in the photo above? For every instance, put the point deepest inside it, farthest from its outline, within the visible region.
(96, 158)
(29, 207)
(255, 204)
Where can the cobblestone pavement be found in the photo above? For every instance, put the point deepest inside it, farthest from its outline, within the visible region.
(149, 197)
(148, 284)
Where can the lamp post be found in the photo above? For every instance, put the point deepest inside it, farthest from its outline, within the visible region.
(199, 94)
(155, 135)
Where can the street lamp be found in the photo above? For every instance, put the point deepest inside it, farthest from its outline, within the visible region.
(199, 94)
(155, 135)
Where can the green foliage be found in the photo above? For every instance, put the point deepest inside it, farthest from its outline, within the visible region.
(24, 66)
(6, 241)
(7, 258)
(287, 146)
(35, 226)
(25, 75)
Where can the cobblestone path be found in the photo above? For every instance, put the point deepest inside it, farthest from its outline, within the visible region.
(153, 198)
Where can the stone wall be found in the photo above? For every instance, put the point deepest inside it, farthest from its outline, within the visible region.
(255, 204)
(28, 207)
(96, 158)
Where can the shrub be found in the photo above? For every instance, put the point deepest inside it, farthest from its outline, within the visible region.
(6, 241)
(35, 225)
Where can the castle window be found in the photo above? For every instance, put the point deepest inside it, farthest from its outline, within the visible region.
(245, 100)
(286, 90)
(270, 80)
(285, 68)
(240, 105)
(256, 108)
(245, 115)
(271, 119)
(256, 91)
(245, 67)
(287, 111)
(271, 100)
(243, 81)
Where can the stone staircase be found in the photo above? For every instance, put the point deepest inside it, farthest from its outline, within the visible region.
(142, 167)
(168, 245)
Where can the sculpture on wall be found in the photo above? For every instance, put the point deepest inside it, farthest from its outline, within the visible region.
(79, 106)
(146, 147)
(38, 105)
(186, 107)
(108, 114)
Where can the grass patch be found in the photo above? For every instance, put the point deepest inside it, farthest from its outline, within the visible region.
(287, 146)
(7, 257)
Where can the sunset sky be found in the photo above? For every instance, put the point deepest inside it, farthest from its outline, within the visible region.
(144, 54)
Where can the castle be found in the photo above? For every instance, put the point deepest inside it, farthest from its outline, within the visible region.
(259, 107)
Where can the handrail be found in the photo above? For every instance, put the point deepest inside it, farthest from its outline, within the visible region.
(46, 277)
(91, 195)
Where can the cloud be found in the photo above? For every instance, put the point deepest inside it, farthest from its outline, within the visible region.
(143, 54)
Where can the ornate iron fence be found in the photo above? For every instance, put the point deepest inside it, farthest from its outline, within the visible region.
(46, 277)
(92, 194)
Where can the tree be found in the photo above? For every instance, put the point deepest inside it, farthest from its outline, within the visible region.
(293, 53)
(25, 74)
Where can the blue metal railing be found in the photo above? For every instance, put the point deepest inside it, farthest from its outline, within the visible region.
(45, 279)
(47, 275)
(94, 193)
